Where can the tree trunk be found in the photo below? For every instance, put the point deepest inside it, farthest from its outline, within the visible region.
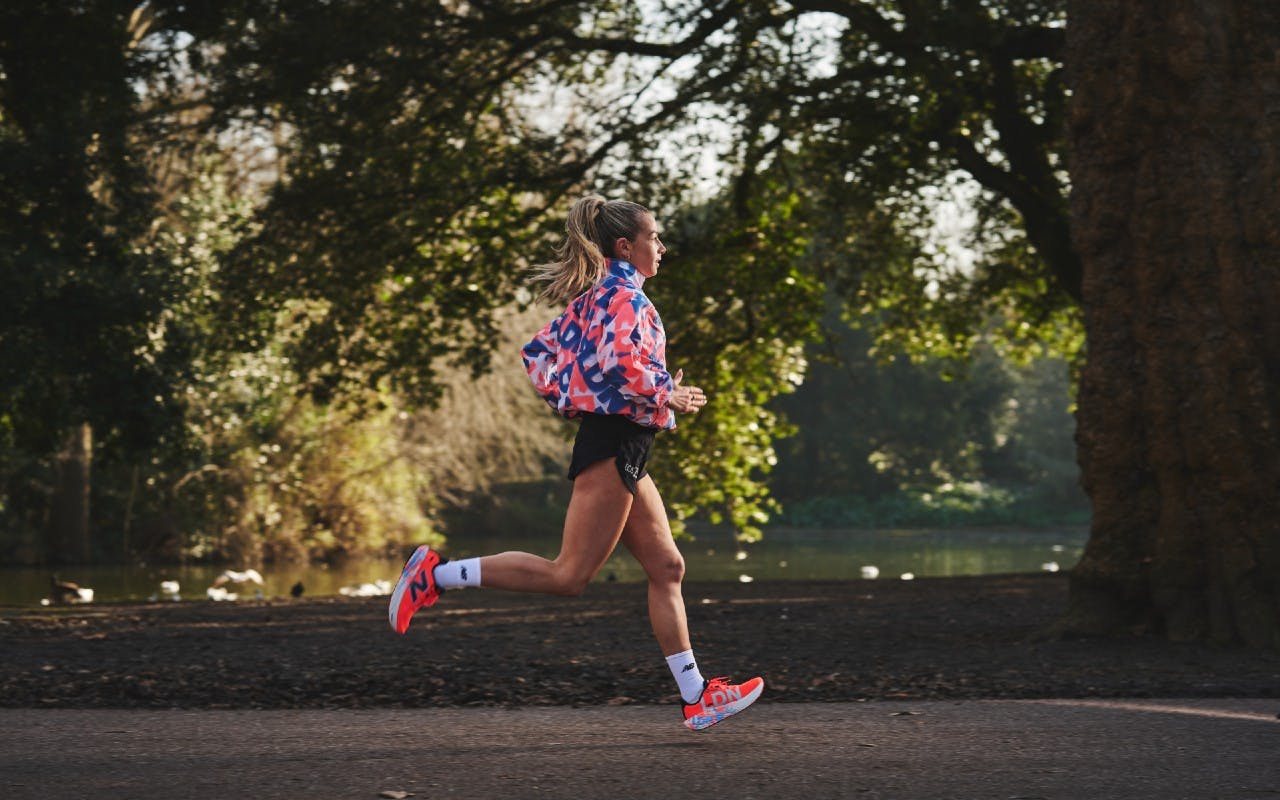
(1174, 136)
(69, 520)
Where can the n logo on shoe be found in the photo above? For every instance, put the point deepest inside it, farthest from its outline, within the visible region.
(420, 583)
(688, 667)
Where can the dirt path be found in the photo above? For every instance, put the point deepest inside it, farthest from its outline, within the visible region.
(951, 638)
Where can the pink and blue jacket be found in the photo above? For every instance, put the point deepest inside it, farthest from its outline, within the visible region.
(606, 354)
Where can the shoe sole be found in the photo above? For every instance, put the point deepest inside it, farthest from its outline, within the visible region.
(700, 722)
(403, 584)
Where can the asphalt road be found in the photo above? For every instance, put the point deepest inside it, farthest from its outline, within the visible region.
(1162, 749)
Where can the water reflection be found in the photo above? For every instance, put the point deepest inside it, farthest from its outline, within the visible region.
(790, 554)
(874, 555)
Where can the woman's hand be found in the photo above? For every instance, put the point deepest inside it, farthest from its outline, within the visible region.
(686, 399)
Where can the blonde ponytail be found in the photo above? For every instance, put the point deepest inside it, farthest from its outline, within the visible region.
(592, 227)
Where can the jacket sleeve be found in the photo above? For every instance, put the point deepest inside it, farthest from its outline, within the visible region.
(635, 356)
(540, 362)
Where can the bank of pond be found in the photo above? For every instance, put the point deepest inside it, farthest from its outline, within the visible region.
(783, 554)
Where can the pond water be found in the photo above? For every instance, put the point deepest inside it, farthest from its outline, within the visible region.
(785, 554)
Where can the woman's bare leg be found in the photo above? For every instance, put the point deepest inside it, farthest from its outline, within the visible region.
(647, 534)
(598, 509)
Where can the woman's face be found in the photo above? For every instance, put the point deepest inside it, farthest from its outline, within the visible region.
(645, 250)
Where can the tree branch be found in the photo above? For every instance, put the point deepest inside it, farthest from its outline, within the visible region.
(1047, 227)
(719, 18)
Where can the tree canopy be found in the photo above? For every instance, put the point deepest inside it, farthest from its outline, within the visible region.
(403, 162)
(867, 112)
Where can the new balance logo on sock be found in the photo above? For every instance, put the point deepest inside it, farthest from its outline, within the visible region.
(688, 667)
(464, 573)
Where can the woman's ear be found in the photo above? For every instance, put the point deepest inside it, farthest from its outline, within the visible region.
(618, 250)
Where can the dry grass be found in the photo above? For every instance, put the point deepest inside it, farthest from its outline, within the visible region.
(494, 429)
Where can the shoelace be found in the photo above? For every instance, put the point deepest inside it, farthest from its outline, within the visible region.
(721, 683)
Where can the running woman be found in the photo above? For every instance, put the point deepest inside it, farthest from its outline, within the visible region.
(603, 361)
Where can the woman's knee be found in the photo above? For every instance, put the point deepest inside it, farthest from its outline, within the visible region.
(572, 581)
(573, 587)
(667, 569)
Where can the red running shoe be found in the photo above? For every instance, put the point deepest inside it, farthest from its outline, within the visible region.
(721, 700)
(416, 588)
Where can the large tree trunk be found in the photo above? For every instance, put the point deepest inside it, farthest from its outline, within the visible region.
(1175, 162)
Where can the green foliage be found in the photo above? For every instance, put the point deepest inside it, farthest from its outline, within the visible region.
(719, 461)
(738, 313)
(875, 114)
(877, 437)
(862, 125)
(409, 187)
(79, 290)
(262, 472)
(311, 483)
(395, 180)
(254, 337)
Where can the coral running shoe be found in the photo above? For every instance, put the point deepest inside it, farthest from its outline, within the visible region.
(416, 588)
(721, 700)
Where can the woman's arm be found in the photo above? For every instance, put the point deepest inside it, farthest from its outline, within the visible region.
(636, 361)
(539, 357)
(686, 399)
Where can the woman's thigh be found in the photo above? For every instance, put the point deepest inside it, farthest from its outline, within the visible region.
(647, 535)
(598, 510)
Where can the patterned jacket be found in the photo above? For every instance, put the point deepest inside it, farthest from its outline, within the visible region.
(606, 354)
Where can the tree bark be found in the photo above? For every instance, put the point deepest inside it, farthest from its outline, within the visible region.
(69, 520)
(1174, 137)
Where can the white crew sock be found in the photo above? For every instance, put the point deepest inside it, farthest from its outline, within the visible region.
(685, 670)
(457, 574)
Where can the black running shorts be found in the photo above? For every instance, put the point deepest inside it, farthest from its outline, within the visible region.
(602, 436)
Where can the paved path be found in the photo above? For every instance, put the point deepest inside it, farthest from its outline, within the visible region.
(1162, 749)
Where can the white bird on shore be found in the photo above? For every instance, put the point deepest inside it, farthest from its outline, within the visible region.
(233, 576)
(870, 572)
(219, 594)
(219, 591)
(68, 592)
(168, 591)
(376, 589)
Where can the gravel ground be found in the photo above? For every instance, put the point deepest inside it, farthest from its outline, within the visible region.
(929, 639)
